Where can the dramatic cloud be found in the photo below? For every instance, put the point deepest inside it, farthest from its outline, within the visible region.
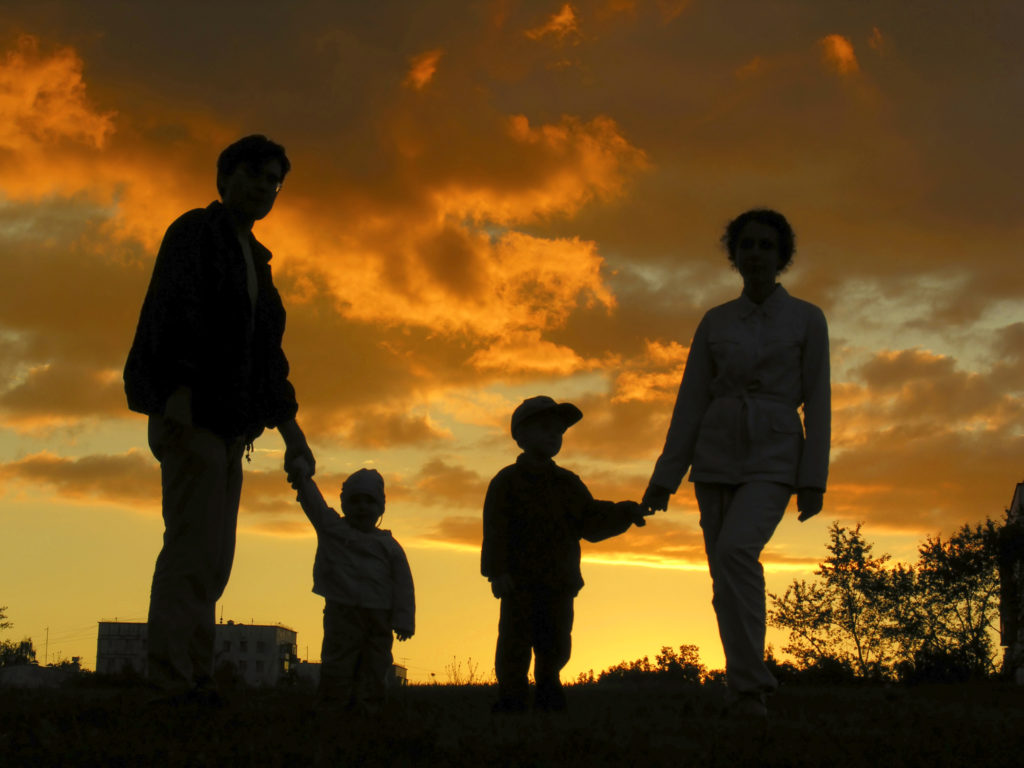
(43, 101)
(131, 479)
(650, 380)
(422, 69)
(921, 444)
(877, 40)
(560, 25)
(837, 52)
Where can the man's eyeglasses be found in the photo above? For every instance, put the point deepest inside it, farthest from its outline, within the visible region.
(269, 177)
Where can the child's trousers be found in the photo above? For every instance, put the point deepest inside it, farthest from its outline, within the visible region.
(738, 520)
(540, 621)
(355, 659)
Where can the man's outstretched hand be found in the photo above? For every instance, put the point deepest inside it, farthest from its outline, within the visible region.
(296, 448)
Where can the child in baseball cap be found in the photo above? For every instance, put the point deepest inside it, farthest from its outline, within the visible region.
(535, 514)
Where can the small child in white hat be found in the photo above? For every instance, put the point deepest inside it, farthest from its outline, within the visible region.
(363, 575)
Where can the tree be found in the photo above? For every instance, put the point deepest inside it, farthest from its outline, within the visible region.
(931, 620)
(957, 596)
(11, 652)
(848, 616)
(669, 665)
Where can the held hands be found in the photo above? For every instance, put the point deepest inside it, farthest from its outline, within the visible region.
(296, 448)
(638, 512)
(403, 634)
(299, 472)
(809, 501)
(294, 455)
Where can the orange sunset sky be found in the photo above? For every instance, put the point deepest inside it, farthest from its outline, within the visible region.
(491, 200)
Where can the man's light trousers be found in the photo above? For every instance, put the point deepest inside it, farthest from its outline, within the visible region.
(201, 476)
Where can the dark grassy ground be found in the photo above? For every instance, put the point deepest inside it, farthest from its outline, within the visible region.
(956, 725)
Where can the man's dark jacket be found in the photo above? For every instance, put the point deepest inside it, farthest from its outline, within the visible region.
(197, 329)
(534, 518)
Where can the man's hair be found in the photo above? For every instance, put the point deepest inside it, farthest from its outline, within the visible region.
(251, 151)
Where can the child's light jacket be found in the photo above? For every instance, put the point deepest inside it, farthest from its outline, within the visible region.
(369, 570)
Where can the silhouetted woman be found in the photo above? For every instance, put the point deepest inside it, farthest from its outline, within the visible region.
(736, 425)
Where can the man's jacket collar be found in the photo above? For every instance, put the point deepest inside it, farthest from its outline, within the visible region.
(221, 219)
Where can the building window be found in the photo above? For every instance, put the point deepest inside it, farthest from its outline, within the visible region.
(227, 646)
(243, 646)
(261, 647)
(241, 665)
(259, 666)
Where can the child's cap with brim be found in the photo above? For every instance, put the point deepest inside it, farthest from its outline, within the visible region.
(534, 406)
(366, 481)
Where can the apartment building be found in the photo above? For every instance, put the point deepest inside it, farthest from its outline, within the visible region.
(261, 654)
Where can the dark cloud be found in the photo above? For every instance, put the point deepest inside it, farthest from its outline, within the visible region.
(454, 261)
(439, 483)
(377, 428)
(922, 444)
(920, 479)
(617, 430)
(131, 479)
(63, 392)
(66, 290)
(914, 387)
(461, 530)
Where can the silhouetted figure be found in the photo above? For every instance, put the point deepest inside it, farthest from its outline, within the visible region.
(363, 575)
(535, 514)
(207, 367)
(753, 362)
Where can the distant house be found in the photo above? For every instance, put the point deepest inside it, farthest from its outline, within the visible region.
(1011, 585)
(261, 654)
(121, 647)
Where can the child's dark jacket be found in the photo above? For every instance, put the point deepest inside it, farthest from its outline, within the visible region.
(534, 518)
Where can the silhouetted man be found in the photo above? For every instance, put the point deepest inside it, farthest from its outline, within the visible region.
(207, 367)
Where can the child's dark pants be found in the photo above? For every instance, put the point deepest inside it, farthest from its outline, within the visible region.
(540, 621)
(355, 658)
